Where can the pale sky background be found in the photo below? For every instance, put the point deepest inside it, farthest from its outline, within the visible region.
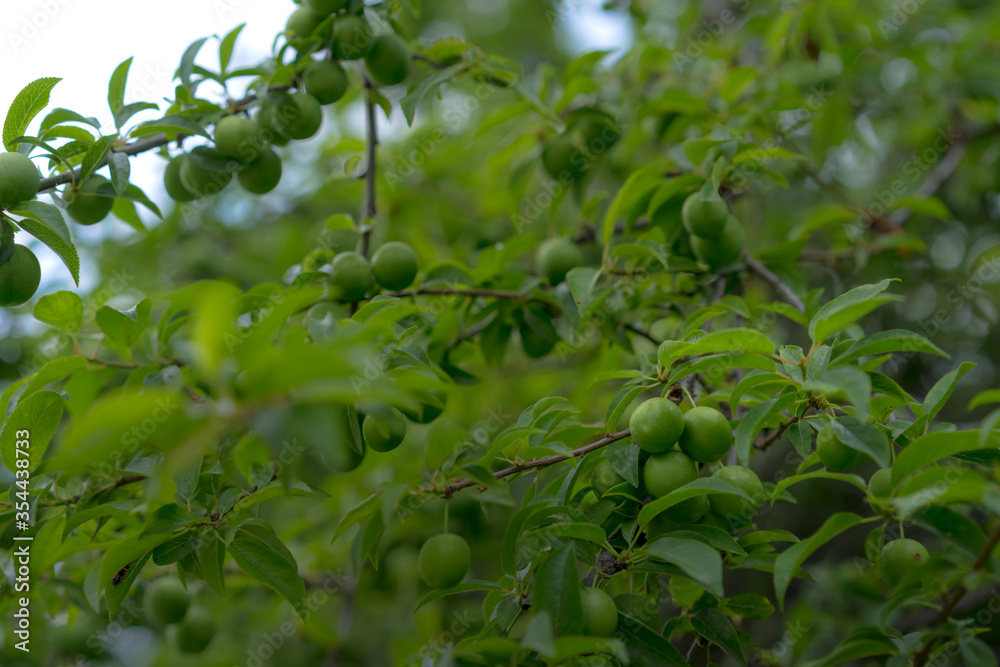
(82, 41)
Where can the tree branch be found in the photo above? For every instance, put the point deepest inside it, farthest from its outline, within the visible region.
(467, 291)
(764, 443)
(370, 172)
(783, 290)
(956, 597)
(635, 328)
(136, 147)
(465, 483)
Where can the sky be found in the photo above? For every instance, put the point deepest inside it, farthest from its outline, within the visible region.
(83, 41)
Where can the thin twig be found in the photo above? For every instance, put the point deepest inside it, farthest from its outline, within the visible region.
(465, 483)
(783, 290)
(773, 437)
(467, 291)
(371, 129)
(941, 173)
(951, 600)
(635, 328)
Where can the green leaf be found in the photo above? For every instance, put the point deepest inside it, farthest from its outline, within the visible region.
(854, 648)
(170, 123)
(934, 446)
(508, 550)
(582, 283)
(699, 487)
(110, 509)
(884, 342)
(819, 474)
(29, 429)
(864, 437)
(96, 156)
(116, 87)
(211, 556)
(795, 555)
(577, 530)
(639, 187)
(716, 628)
(711, 535)
(27, 103)
(357, 514)
(651, 642)
(114, 594)
(227, 45)
(749, 605)
(129, 110)
(724, 340)
(123, 329)
(848, 308)
(752, 381)
(850, 380)
(984, 398)
(410, 101)
(187, 63)
(619, 404)
(167, 519)
(463, 587)
(944, 388)
(59, 116)
(46, 223)
(695, 558)
(539, 635)
(62, 310)
(259, 553)
(121, 169)
(557, 591)
(976, 653)
(624, 458)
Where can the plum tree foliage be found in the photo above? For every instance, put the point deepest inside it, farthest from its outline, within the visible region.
(631, 358)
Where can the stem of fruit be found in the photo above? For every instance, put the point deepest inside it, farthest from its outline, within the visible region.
(950, 601)
(465, 482)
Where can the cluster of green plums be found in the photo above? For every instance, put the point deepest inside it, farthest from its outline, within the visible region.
(717, 237)
(167, 603)
(590, 132)
(387, 56)
(393, 267)
(243, 145)
(673, 444)
(20, 272)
